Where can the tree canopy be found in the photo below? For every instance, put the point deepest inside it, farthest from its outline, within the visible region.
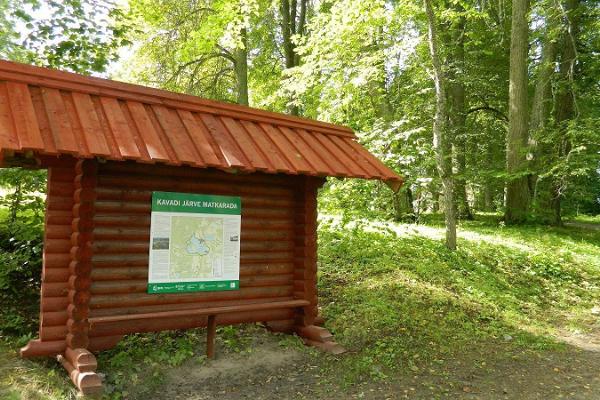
(519, 108)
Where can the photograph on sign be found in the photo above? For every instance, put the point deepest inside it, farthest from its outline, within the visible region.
(194, 243)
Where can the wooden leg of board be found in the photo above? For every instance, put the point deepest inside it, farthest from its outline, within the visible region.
(211, 332)
(81, 366)
(320, 338)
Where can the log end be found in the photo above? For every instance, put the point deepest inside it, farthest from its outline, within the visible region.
(38, 348)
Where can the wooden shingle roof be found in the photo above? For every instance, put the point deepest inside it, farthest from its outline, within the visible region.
(50, 112)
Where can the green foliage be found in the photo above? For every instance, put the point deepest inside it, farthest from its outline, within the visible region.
(81, 36)
(191, 47)
(20, 249)
(138, 362)
(400, 313)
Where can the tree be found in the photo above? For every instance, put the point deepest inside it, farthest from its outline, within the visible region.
(198, 47)
(442, 144)
(517, 189)
(293, 23)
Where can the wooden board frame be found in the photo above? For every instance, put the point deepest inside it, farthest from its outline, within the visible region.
(96, 259)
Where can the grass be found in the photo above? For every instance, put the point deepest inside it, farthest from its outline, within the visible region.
(401, 301)
(397, 299)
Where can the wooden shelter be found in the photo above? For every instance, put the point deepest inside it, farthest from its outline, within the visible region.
(107, 147)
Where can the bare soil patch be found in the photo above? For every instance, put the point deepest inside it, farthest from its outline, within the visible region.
(266, 369)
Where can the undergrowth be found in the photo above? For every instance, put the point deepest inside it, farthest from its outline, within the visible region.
(400, 302)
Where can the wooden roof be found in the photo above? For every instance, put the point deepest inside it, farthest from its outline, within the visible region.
(50, 112)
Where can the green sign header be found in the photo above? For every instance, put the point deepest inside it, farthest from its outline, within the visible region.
(196, 203)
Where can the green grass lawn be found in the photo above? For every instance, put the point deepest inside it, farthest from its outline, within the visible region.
(398, 300)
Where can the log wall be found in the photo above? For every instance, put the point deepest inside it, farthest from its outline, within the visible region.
(268, 255)
(277, 254)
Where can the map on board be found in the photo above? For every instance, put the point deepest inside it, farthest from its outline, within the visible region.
(194, 243)
(196, 247)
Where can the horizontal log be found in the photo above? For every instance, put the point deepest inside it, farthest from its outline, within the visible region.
(124, 286)
(134, 247)
(143, 221)
(121, 247)
(279, 256)
(99, 312)
(117, 272)
(38, 348)
(57, 245)
(102, 343)
(192, 186)
(265, 245)
(50, 275)
(60, 189)
(121, 220)
(53, 318)
(57, 260)
(81, 359)
(59, 203)
(141, 286)
(107, 233)
(121, 233)
(88, 383)
(114, 207)
(121, 260)
(53, 231)
(54, 303)
(264, 234)
(250, 223)
(113, 274)
(273, 305)
(195, 173)
(266, 280)
(125, 327)
(53, 332)
(127, 195)
(266, 268)
(59, 217)
(142, 299)
(55, 289)
(62, 173)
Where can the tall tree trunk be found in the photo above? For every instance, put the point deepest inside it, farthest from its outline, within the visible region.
(564, 106)
(403, 205)
(293, 21)
(457, 113)
(540, 113)
(488, 197)
(517, 187)
(241, 69)
(443, 146)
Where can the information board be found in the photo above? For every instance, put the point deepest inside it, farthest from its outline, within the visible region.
(194, 243)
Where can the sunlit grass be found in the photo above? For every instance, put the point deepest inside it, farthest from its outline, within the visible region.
(396, 287)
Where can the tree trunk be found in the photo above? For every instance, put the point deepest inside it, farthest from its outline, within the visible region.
(293, 21)
(488, 197)
(564, 106)
(540, 190)
(15, 203)
(241, 69)
(403, 205)
(443, 146)
(458, 117)
(517, 187)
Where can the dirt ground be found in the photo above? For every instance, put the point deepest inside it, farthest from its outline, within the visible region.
(491, 371)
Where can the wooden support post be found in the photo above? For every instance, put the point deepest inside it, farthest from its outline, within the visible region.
(77, 360)
(305, 274)
(211, 333)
